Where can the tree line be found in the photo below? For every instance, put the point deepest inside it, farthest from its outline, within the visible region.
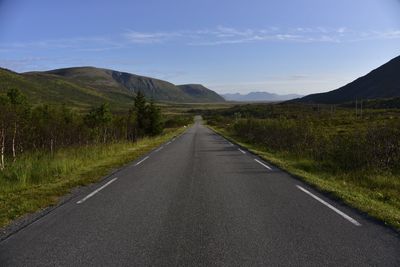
(25, 128)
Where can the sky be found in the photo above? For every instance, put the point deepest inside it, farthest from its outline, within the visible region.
(285, 46)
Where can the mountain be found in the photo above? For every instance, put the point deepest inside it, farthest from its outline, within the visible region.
(383, 82)
(82, 87)
(259, 97)
(201, 93)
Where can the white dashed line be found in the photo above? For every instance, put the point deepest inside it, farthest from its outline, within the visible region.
(265, 165)
(95, 191)
(158, 149)
(242, 151)
(344, 215)
(141, 160)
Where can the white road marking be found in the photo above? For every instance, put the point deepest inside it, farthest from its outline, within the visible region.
(158, 149)
(168, 143)
(344, 215)
(141, 160)
(242, 151)
(95, 191)
(230, 143)
(265, 165)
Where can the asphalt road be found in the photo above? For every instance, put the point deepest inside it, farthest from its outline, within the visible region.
(200, 201)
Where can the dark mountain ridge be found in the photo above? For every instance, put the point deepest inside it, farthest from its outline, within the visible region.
(383, 82)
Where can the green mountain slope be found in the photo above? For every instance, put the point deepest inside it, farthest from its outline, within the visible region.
(110, 82)
(383, 82)
(82, 87)
(45, 88)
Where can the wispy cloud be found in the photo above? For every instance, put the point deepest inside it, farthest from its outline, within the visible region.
(220, 35)
(376, 35)
(77, 44)
(150, 38)
(227, 35)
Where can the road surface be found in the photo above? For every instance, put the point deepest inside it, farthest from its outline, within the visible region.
(201, 201)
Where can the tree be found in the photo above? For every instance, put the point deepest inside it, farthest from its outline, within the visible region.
(154, 126)
(51, 124)
(99, 119)
(18, 110)
(4, 114)
(131, 125)
(66, 125)
(141, 113)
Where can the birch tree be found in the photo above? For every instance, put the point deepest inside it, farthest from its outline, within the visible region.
(17, 101)
(4, 113)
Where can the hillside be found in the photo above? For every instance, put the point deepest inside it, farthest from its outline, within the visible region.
(82, 87)
(46, 88)
(259, 97)
(201, 93)
(383, 82)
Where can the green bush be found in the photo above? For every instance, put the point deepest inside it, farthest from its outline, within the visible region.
(376, 148)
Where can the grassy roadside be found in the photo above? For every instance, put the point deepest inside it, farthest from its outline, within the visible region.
(38, 180)
(378, 196)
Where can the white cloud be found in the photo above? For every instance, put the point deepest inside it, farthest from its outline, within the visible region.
(392, 34)
(227, 35)
(220, 35)
(79, 44)
(150, 38)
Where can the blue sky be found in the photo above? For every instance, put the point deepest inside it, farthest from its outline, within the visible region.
(301, 46)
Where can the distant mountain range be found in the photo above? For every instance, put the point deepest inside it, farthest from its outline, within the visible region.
(87, 86)
(83, 87)
(259, 97)
(381, 83)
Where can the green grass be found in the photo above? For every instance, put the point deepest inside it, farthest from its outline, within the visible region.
(377, 194)
(37, 180)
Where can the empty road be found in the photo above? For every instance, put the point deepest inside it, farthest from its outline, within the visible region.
(201, 201)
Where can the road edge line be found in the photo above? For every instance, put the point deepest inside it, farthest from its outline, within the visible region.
(96, 191)
(341, 213)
